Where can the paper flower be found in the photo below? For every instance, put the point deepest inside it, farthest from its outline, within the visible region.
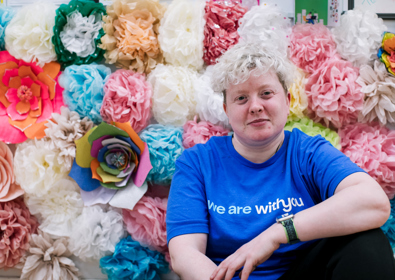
(209, 102)
(83, 89)
(298, 97)
(127, 99)
(220, 31)
(310, 46)
(200, 133)
(111, 156)
(358, 36)
(96, 232)
(58, 208)
(17, 225)
(28, 96)
(37, 167)
(267, 25)
(387, 52)
(131, 29)
(147, 223)
(371, 147)
(389, 227)
(28, 35)
(6, 14)
(9, 190)
(78, 31)
(174, 100)
(181, 33)
(334, 97)
(49, 259)
(311, 128)
(379, 89)
(165, 146)
(63, 130)
(131, 261)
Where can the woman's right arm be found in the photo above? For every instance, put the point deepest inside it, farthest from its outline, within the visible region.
(188, 257)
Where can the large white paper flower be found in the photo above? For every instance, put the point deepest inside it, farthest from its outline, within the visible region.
(96, 232)
(37, 167)
(379, 89)
(358, 37)
(58, 208)
(28, 36)
(181, 33)
(174, 100)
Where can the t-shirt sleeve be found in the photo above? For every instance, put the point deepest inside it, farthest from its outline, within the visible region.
(187, 206)
(323, 167)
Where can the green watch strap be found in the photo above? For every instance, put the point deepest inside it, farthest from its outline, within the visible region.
(290, 231)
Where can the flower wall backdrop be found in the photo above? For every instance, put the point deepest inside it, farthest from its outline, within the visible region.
(98, 102)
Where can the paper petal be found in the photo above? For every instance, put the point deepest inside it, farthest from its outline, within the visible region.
(10, 134)
(83, 154)
(83, 177)
(144, 167)
(127, 197)
(100, 195)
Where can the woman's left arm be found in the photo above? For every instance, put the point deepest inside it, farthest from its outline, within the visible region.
(359, 204)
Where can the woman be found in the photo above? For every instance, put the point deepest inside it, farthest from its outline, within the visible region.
(226, 195)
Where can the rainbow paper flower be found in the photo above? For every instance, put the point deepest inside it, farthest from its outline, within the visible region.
(387, 52)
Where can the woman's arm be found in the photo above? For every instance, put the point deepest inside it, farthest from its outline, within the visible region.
(359, 204)
(188, 257)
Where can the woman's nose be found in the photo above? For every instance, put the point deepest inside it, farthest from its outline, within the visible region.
(256, 106)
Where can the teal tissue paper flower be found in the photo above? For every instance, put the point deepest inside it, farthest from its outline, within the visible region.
(6, 14)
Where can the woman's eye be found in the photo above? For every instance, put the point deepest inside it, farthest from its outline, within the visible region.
(266, 93)
(240, 98)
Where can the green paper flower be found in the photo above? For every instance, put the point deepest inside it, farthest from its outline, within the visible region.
(311, 128)
(78, 31)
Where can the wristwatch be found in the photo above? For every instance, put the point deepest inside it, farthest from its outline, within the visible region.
(287, 221)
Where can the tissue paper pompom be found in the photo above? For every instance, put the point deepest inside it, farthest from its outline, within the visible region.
(358, 36)
(6, 14)
(371, 147)
(83, 89)
(334, 97)
(268, 26)
(17, 225)
(96, 232)
(131, 261)
(37, 167)
(165, 146)
(310, 46)
(298, 97)
(181, 33)
(58, 208)
(146, 223)
(389, 227)
(127, 99)
(28, 35)
(379, 89)
(78, 31)
(49, 259)
(131, 29)
(200, 133)
(174, 100)
(220, 31)
(311, 128)
(8, 189)
(209, 103)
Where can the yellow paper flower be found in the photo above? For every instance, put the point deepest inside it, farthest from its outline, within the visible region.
(298, 97)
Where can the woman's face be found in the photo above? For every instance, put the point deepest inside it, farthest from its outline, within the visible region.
(257, 109)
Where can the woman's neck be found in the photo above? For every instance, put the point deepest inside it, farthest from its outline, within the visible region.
(258, 153)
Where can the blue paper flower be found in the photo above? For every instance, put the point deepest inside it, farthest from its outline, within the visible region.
(83, 89)
(134, 262)
(165, 146)
(389, 227)
(6, 14)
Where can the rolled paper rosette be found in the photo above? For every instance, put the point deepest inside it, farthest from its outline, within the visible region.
(29, 95)
(387, 52)
(110, 159)
(78, 31)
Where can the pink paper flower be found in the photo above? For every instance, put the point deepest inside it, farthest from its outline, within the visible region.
(127, 99)
(333, 95)
(146, 223)
(17, 225)
(195, 133)
(372, 148)
(220, 32)
(310, 46)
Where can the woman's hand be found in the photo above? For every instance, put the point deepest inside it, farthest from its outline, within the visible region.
(251, 254)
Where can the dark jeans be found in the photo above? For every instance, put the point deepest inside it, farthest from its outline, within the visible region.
(364, 255)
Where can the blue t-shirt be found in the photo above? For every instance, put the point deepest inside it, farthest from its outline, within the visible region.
(217, 191)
